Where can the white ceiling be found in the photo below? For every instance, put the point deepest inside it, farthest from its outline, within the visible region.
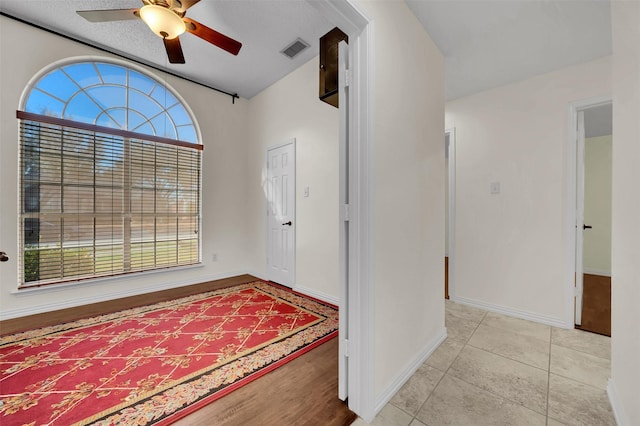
(486, 43)
(265, 27)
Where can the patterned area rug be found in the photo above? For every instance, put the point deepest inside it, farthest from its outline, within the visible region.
(158, 363)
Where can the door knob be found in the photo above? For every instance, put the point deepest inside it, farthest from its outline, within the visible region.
(586, 226)
(288, 223)
(3, 256)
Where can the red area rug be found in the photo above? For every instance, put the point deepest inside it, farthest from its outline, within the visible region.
(158, 363)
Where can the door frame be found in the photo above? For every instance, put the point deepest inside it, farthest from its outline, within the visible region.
(451, 188)
(292, 142)
(343, 245)
(579, 268)
(571, 202)
(354, 22)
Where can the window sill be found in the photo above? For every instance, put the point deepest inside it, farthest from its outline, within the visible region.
(101, 280)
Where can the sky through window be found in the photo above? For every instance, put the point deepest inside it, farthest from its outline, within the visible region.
(112, 96)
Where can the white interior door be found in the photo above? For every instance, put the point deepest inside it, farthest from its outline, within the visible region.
(579, 217)
(343, 102)
(281, 201)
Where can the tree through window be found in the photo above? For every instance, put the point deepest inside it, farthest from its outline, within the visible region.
(110, 175)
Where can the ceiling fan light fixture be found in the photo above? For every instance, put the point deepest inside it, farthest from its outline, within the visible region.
(162, 21)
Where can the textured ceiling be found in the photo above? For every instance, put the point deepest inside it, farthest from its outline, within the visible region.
(486, 43)
(265, 27)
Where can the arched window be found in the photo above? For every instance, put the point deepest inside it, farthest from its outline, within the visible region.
(110, 175)
(111, 95)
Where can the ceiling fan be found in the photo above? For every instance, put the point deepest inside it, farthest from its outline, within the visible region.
(166, 18)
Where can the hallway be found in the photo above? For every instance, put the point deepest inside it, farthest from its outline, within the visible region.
(498, 370)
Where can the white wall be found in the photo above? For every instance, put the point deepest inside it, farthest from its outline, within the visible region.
(291, 109)
(597, 205)
(511, 248)
(625, 337)
(408, 193)
(224, 179)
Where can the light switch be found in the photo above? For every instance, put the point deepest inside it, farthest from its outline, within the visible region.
(494, 188)
(306, 191)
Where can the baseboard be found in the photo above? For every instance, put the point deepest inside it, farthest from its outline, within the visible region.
(530, 316)
(407, 372)
(49, 307)
(317, 295)
(618, 412)
(260, 275)
(598, 272)
(40, 309)
(323, 297)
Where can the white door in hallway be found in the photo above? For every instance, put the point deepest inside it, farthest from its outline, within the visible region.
(580, 226)
(281, 202)
(593, 198)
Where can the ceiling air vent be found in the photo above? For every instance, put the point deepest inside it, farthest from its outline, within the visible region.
(292, 50)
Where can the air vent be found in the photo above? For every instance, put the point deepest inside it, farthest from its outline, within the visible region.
(292, 50)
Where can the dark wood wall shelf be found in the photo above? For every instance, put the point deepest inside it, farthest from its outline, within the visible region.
(329, 65)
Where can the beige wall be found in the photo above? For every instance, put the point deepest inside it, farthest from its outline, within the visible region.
(408, 194)
(408, 191)
(291, 109)
(222, 125)
(597, 205)
(511, 248)
(625, 338)
(235, 139)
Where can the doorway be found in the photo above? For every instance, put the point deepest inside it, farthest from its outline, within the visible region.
(450, 202)
(281, 213)
(593, 212)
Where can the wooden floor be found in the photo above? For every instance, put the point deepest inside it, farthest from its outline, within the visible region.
(596, 304)
(65, 315)
(302, 392)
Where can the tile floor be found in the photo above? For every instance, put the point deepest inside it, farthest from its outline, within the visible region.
(498, 370)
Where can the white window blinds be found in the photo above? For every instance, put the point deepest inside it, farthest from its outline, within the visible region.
(100, 202)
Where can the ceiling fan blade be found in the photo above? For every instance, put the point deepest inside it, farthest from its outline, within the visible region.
(174, 50)
(222, 41)
(109, 15)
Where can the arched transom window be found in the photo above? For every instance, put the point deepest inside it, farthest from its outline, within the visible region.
(110, 166)
(113, 96)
